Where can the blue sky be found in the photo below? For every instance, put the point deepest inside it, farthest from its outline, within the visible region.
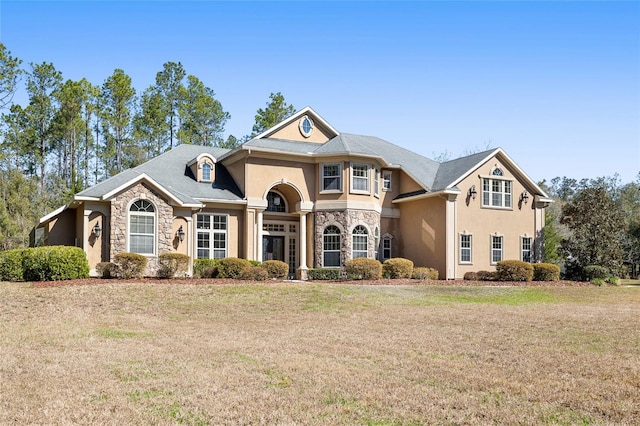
(555, 84)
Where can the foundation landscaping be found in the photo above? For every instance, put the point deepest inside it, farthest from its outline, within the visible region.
(253, 348)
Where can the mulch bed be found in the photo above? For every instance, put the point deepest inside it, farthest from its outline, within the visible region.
(221, 281)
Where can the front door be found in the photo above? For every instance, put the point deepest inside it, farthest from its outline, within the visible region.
(272, 248)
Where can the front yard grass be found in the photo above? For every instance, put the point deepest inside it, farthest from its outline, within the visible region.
(290, 353)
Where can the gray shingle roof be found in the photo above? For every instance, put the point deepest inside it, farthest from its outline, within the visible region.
(171, 171)
(450, 171)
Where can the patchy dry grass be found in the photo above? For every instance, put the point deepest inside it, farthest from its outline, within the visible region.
(318, 354)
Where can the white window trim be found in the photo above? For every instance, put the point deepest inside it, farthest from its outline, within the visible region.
(522, 238)
(368, 178)
(387, 237)
(502, 181)
(202, 179)
(470, 261)
(376, 182)
(332, 251)
(322, 177)
(386, 177)
(368, 235)
(155, 226)
(211, 232)
(492, 262)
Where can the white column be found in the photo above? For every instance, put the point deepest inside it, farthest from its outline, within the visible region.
(450, 238)
(190, 244)
(259, 235)
(303, 240)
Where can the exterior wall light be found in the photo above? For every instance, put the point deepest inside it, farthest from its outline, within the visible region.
(472, 192)
(524, 197)
(180, 234)
(97, 231)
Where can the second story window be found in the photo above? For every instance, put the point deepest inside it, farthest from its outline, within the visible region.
(386, 181)
(275, 203)
(360, 178)
(496, 191)
(331, 177)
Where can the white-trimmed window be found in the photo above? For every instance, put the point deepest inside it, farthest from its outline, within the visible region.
(376, 182)
(142, 228)
(496, 191)
(360, 178)
(525, 248)
(465, 248)
(386, 181)
(206, 172)
(376, 242)
(211, 236)
(331, 242)
(360, 246)
(331, 177)
(386, 247)
(496, 248)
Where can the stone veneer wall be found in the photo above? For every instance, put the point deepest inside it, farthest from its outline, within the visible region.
(164, 219)
(345, 220)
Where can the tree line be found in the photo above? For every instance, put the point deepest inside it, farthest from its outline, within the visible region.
(73, 134)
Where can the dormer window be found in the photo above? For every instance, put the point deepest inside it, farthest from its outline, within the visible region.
(206, 172)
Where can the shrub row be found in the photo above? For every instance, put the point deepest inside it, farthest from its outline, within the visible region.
(233, 267)
(371, 269)
(516, 270)
(44, 264)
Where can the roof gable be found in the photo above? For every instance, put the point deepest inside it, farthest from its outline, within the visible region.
(291, 128)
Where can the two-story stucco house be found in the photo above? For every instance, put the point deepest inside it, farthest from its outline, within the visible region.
(304, 193)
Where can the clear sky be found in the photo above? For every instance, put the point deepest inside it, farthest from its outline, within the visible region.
(555, 84)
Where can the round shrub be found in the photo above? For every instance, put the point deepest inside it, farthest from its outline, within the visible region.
(253, 273)
(323, 274)
(54, 263)
(231, 267)
(546, 272)
(130, 265)
(514, 270)
(397, 267)
(107, 270)
(363, 268)
(471, 276)
(173, 264)
(11, 265)
(276, 269)
(205, 268)
(592, 272)
(424, 273)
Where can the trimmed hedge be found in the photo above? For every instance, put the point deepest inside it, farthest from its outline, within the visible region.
(107, 270)
(11, 265)
(514, 270)
(276, 269)
(397, 267)
(592, 272)
(253, 273)
(487, 275)
(205, 268)
(471, 276)
(172, 264)
(424, 274)
(323, 274)
(231, 267)
(130, 265)
(54, 263)
(363, 268)
(546, 272)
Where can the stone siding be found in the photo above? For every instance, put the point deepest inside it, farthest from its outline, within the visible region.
(164, 218)
(345, 220)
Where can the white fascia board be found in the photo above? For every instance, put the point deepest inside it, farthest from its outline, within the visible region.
(217, 201)
(294, 117)
(510, 162)
(53, 214)
(143, 176)
(544, 199)
(450, 191)
(84, 198)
